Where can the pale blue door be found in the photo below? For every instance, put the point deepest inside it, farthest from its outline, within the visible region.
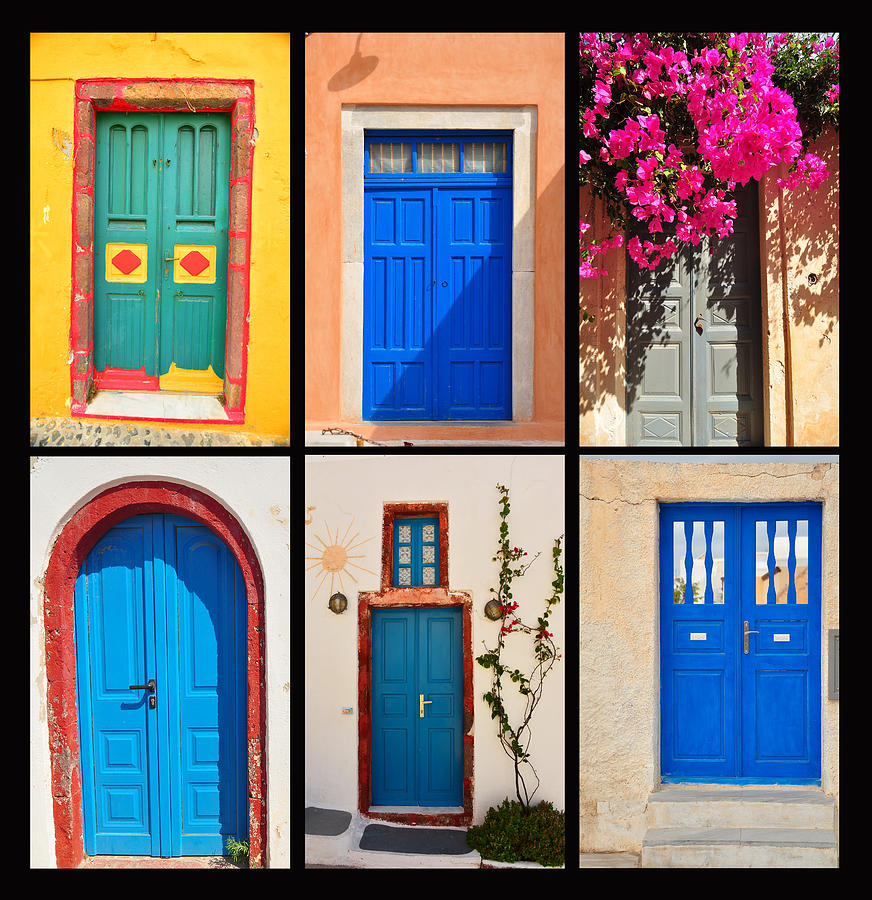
(161, 690)
(417, 707)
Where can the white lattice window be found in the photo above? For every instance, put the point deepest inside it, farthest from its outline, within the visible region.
(416, 552)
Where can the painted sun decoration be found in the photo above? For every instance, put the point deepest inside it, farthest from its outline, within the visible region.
(335, 557)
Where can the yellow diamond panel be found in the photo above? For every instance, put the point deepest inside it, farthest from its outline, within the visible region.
(194, 263)
(127, 263)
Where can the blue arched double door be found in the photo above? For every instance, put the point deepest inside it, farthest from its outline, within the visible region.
(161, 690)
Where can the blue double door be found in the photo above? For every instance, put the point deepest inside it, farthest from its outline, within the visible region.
(161, 691)
(740, 622)
(437, 333)
(417, 707)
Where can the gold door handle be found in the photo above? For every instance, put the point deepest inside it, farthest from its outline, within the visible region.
(421, 702)
(748, 631)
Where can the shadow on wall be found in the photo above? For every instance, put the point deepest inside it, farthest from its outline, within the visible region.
(354, 71)
(811, 245)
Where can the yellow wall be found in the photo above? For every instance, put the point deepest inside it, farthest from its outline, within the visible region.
(57, 60)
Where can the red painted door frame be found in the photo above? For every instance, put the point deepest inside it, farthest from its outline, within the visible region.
(162, 95)
(86, 526)
(390, 596)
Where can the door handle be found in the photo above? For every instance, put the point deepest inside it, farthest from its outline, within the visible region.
(700, 321)
(421, 702)
(748, 631)
(150, 687)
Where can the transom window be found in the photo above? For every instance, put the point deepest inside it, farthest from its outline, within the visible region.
(459, 154)
(416, 552)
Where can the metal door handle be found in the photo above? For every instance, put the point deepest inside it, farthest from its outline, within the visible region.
(150, 687)
(748, 631)
(700, 321)
(421, 702)
(171, 258)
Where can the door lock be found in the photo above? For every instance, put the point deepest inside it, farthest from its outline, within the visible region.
(746, 633)
(698, 324)
(421, 702)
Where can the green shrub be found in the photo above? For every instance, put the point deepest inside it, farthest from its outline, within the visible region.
(512, 832)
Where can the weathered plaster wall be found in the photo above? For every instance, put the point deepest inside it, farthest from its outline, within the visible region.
(429, 70)
(256, 492)
(345, 499)
(56, 61)
(799, 237)
(619, 643)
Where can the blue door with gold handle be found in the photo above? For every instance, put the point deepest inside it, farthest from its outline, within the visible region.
(161, 691)
(417, 707)
(161, 213)
(740, 620)
(437, 292)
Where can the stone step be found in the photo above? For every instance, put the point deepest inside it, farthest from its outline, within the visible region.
(757, 807)
(739, 848)
(744, 826)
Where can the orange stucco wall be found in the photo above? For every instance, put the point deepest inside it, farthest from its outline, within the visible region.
(431, 69)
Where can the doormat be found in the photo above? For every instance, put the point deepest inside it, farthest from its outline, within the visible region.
(414, 840)
(326, 821)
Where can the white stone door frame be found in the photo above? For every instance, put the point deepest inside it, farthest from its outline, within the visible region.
(521, 121)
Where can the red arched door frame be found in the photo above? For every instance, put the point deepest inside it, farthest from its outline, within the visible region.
(78, 536)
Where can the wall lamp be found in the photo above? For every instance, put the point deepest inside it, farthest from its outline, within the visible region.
(338, 603)
(493, 610)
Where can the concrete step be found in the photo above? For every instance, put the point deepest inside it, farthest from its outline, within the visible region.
(759, 807)
(743, 826)
(743, 848)
(338, 839)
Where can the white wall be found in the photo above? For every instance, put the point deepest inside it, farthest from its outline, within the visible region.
(257, 492)
(345, 496)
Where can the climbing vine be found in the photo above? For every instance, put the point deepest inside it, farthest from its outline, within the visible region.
(669, 123)
(515, 739)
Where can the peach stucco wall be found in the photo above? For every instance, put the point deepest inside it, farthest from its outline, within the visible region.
(799, 237)
(431, 69)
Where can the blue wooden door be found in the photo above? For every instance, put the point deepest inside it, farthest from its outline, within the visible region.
(417, 714)
(161, 218)
(781, 603)
(437, 277)
(473, 317)
(161, 691)
(740, 642)
(398, 305)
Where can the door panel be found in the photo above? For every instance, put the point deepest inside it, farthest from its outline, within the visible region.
(118, 738)
(161, 213)
(162, 597)
(398, 316)
(417, 761)
(126, 223)
(699, 656)
(194, 265)
(694, 358)
(781, 671)
(733, 708)
(473, 319)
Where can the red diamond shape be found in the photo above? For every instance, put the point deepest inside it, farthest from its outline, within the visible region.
(126, 261)
(194, 263)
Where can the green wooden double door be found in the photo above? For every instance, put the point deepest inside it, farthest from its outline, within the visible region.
(161, 211)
